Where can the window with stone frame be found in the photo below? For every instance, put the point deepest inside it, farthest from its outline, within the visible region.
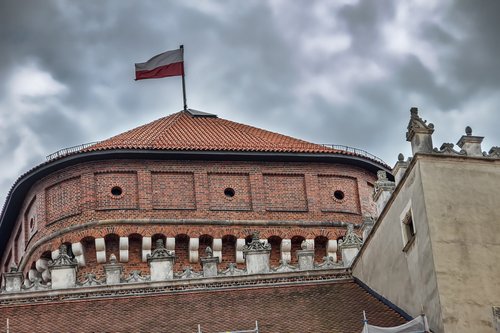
(496, 318)
(408, 228)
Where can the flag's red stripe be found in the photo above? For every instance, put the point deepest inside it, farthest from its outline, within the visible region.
(173, 69)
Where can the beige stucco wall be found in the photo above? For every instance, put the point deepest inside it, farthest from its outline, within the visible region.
(462, 197)
(453, 268)
(407, 279)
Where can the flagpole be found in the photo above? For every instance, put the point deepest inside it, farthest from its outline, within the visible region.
(183, 80)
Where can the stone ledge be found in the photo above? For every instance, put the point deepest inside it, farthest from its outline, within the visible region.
(177, 286)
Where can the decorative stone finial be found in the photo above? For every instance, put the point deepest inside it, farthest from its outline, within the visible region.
(160, 251)
(13, 268)
(381, 175)
(209, 252)
(303, 245)
(401, 157)
(382, 183)
(350, 238)
(112, 259)
(256, 244)
(63, 259)
(471, 145)
(419, 133)
(494, 152)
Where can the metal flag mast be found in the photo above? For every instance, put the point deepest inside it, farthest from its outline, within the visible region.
(183, 80)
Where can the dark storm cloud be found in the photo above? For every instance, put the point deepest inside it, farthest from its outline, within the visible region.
(344, 72)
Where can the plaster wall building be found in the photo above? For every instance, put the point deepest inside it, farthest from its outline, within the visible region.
(436, 243)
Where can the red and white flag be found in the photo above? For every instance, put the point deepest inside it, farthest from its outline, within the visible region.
(170, 63)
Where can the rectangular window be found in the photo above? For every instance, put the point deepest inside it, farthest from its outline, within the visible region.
(408, 230)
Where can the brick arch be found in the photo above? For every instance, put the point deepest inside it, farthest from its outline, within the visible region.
(181, 251)
(205, 241)
(296, 245)
(320, 248)
(228, 249)
(135, 253)
(275, 256)
(112, 245)
(89, 252)
(266, 233)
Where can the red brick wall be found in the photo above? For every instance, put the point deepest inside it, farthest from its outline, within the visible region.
(63, 199)
(347, 187)
(285, 193)
(194, 190)
(173, 190)
(229, 191)
(125, 183)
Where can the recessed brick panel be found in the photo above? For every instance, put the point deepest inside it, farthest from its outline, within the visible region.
(125, 181)
(229, 191)
(285, 193)
(348, 186)
(63, 199)
(173, 190)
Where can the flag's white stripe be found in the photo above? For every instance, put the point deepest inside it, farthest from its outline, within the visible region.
(159, 60)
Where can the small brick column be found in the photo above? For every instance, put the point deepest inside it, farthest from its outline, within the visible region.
(161, 263)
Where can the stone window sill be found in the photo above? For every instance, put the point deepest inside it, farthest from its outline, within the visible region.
(409, 243)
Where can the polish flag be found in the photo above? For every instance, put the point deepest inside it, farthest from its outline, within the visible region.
(170, 63)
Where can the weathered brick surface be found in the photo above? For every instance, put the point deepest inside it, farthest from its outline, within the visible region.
(285, 193)
(330, 307)
(180, 190)
(347, 186)
(125, 182)
(173, 190)
(63, 199)
(229, 191)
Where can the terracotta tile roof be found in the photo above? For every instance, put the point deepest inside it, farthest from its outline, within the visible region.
(196, 131)
(334, 307)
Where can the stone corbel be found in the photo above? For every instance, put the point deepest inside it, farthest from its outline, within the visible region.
(194, 245)
(240, 243)
(217, 248)
(146, 248)
(170, 244)
(77, 250)
(332, 249)
(286, 250)
(123, 249)
(100, 250)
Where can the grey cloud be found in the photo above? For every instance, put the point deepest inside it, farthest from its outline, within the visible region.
(247, 61)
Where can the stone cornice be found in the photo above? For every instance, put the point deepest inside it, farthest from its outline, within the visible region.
(177, 286)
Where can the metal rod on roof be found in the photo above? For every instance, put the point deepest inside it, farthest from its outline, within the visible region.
(183, 80)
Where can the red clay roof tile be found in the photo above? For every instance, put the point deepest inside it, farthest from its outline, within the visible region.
(183, 131)
(320, 308)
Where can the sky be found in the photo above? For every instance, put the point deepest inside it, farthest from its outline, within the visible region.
(338, 72)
